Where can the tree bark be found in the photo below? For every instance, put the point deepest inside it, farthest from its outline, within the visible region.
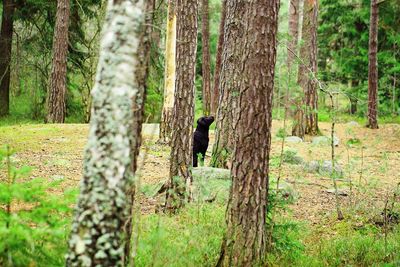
(373, 67)
(245, 240)
(58, 79)
(293, 31)
(308, 53)
(206, 67)
(218, 62)
(228, 86)
(170, 76)
(181, 143)
(6, 34)
(139, 99)
(97, 236)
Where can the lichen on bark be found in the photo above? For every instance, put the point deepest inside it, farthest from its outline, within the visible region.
(97, 236)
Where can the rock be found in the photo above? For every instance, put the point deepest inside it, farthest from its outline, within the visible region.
(323, 167)
(290, 156)
(312, 166)
(341, 192)
(326, 168)
(211, 173)
(352, 124)
(324, 140)
(293, 139)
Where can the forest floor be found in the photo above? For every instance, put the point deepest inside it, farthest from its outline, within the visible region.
(371, 167)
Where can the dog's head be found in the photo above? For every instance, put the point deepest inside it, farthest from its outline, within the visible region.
(205, 122)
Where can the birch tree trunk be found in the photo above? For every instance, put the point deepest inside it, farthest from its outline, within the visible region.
(170, 76)
(58, 79)
(97, 235)
(245, 240)
(206, 67)
(6, 34)
(218, 62)
(182, 139)
(373, 67)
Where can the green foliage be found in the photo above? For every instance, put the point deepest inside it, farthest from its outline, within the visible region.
(33, 225)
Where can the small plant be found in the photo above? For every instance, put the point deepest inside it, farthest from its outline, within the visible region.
(281, 133)
(33, 225)
(290, 156)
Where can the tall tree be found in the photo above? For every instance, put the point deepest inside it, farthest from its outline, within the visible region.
(181, 143)
(373, 67)
(308, 71)
(58, 80)
(170, 75)
(294, 16)
(97, 236)
(6, 34)
(227, 89)
(141, 74)
(218, 62)
(206, 67)
(245, 240)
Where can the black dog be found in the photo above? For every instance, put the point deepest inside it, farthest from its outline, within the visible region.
(200, 138)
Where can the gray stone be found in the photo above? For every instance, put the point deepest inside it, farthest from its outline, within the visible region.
(352, 124)
(323, 167)
(293, 139)
(290, 156)
(211, 173)
(324, 140)
(341, 192)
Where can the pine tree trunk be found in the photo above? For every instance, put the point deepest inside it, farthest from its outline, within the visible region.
(206, 68)
(58, 79)
(97, 235)
(6, 34)
(181, 143)
(373, 67)
(170, 76)
(293, 31)
(245, 240)
(308, 53)
(218, 62)
(228, 88)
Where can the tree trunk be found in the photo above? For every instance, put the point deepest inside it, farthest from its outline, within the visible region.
(373, 68)
(308, 53)
(139, 99)
(6, 34)
(218, 62)
(181, 143)
(97, 236)
(206, 68)
(58, 79)
(245, 240)
(170, 76)
(293, 31)
(228, 87)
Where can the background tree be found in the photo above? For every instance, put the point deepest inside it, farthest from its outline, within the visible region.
(170, 75)
(308, 54)
(141, 74)
(373, 67)
(294, 16)
(6, 34)
(206, 65)
(218, 61)
(58, 79)
(245, 239)
(181, 143)
(97, 237)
